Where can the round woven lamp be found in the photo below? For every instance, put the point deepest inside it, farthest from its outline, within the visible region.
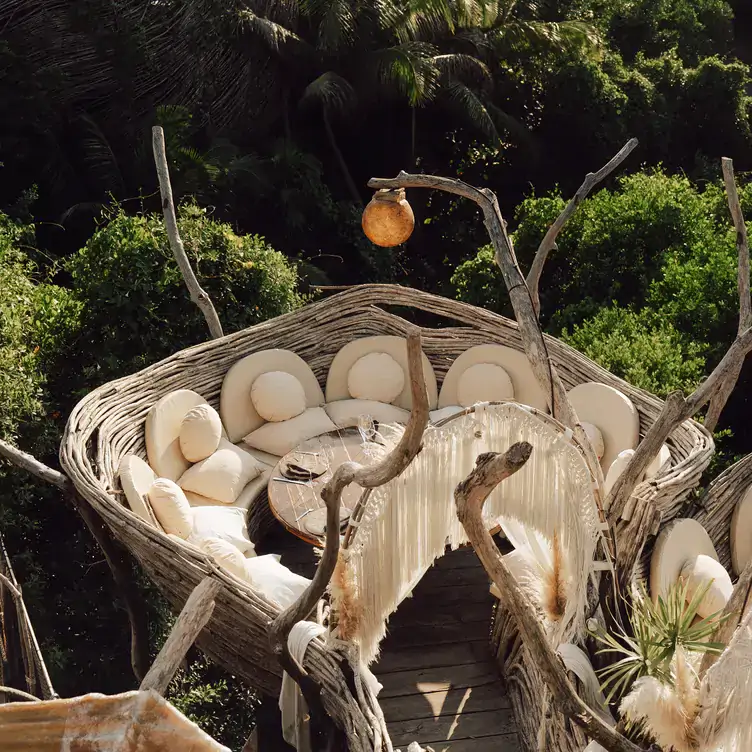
(388, 219)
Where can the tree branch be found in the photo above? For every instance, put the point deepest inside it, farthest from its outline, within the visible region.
(720, 397)
(370, 476)
(118, 559)
(198, 294)
(549, 241)
(470, 496)
(18, 693)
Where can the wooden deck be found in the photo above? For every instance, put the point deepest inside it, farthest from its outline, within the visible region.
(441, 685)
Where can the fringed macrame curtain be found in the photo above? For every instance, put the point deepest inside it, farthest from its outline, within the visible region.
(409, 522)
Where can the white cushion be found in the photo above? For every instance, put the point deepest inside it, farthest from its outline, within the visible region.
(163, 424)
(680, 541)
(281, 438)
(618, 466)
(698, 572)
(278, 395)
(436, 416)
(376, 376)
(223, 475)
(337, 387)
(245, 498)
(227, 523)
(274, 580)
(596, 438)
(613, 413)
(226, 555)
(741, 533)
(484, 382)
(136, 478)
(238, 413)
(200, 433)
(171, 507)
(527, 391)
(345, 413)
(663, 457)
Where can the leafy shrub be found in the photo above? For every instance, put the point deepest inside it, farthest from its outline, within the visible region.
(641, 348)
(137, 308)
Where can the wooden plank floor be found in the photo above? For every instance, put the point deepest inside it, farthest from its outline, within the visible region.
(441, 685)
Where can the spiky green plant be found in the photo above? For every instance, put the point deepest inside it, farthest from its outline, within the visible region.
(658, 629)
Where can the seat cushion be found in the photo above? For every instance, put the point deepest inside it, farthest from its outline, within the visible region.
(274, 580)
(437, 416)
(345, 413)
(226, 555)
(171, 507)
(245, 498)
(226, 523)
(136, 478)
(278, 395)
(200, 433)
(281, 438)
(223, 475)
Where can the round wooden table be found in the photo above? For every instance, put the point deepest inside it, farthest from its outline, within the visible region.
(298, 505)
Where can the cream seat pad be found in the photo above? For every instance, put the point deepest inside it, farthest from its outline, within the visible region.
(741, 533)
(245, 499)
(396, 347)
(236, 409)
(346, 413)
(163, 424)
(679, 542)
(526, 388)
(136, 478)
(612, 413)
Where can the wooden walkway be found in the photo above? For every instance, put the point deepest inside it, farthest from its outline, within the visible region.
(441, 685)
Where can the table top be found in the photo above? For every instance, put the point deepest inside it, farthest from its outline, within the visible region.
(298, 505)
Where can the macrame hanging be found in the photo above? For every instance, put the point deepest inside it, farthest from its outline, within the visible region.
(409, 522)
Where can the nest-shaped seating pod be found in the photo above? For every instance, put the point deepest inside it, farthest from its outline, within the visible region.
(109, 423)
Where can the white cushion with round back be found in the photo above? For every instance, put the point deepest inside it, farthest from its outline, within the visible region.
(136, 478)
(278, 395)
(484, 382)
(376, 376)
(596, 438)
(698, 572)
(200, 433)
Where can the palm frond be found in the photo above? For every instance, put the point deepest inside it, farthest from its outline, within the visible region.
(335, 21)
(331, 91)
(273, 34)
(459, 65)
(469, 105)
(411, 69)
(420, 19)
(545, 35)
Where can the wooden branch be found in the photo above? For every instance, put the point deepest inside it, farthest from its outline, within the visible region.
(370, 476)
(198, 295)
(470, 496)
(549, 241)
(720, 397)
(735, 610)
(118, 559)
(192, 619)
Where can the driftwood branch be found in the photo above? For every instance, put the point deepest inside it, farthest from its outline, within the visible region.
(720, 397)
(549, 241)
(198, 294)
(370, 476)
(118, 559)
(192, 619)
(470, 496)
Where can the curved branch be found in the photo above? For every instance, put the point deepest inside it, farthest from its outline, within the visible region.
(198, 295)
(470, 496)
(369, 476)
(18, 693)
(549, 241)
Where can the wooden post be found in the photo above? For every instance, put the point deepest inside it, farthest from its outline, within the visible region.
(198, 294)
(192, 619)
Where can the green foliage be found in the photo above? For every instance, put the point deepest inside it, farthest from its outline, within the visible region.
(137, 308)
(640, 347)
(478, 281)
(658, 630)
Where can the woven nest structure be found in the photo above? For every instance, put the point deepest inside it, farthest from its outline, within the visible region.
(109, 423)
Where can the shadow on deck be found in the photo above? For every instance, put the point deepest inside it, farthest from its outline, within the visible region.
(441, 684)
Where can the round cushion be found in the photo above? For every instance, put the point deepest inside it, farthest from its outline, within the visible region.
(484, 382)
(226, 555)
(200, 433)
(278, 396)
(337, 387)
(741, 533)
(698, 572)
(613, 413)
(663, 456)
(171, 507)
(376, 376)
(618, 466)
(136, 478)
(680, 541)
(527, 390)
(596, 438)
